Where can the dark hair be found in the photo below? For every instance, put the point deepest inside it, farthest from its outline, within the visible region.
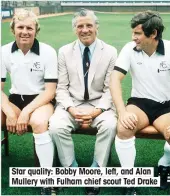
(150, 22)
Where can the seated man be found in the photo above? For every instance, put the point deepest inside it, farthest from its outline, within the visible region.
(32, 66)
(148, 60)
(83, 94)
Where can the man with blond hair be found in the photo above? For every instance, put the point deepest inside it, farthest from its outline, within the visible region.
(32, 66)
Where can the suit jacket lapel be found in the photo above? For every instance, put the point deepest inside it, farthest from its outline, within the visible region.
(95, 61)
(78, 60)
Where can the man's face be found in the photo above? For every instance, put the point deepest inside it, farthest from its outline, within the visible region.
(86, 30)
(142, 42)
(25, 32)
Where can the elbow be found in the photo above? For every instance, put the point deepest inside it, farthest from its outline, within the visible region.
(51, 94)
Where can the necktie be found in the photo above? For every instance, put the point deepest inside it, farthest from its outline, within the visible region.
(86, 65)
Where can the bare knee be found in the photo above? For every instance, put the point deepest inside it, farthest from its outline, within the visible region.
(167, 134)
(124, 133)
(38, 125)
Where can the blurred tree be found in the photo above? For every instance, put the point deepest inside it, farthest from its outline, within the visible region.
(24, 3)
(48, 2)
(37, 3)
(15, 3)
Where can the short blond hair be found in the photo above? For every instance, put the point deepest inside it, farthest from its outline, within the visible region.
(22, 15)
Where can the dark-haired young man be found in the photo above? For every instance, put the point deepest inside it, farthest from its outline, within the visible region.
(148, 60)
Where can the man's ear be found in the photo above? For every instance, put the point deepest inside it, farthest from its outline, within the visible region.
(97, 29)
(154, 34)
(13, 32)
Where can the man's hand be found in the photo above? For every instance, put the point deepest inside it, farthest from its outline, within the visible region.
(73, 111)
(11, 121)
(95, 112)
(22, 122)
(82, 116)
(84, 120)
(128, 120)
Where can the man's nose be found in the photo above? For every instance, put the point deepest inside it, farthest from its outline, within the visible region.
(133, 37)
(24, 30)
(85, 29)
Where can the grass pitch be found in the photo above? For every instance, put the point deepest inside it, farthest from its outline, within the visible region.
(57, 31)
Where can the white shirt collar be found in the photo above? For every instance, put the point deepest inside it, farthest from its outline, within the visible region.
(91, 47)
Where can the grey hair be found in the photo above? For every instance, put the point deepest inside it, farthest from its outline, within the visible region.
(22, 15)
(84, 12)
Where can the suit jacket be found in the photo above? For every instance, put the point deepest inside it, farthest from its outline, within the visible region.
(70, 90)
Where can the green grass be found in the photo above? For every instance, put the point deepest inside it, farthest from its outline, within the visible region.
(57, 31)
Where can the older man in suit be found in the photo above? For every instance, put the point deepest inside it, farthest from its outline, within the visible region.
(83, 94)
